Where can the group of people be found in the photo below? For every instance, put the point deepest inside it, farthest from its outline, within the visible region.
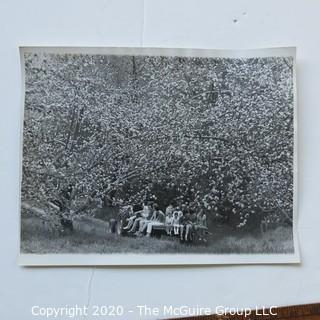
(178, 221)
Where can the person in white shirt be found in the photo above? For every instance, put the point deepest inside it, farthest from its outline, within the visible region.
(169, 223)
(175, 223)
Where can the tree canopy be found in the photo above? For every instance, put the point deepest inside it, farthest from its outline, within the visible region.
(214, 132)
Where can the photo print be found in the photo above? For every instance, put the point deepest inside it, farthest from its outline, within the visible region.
(138, 156)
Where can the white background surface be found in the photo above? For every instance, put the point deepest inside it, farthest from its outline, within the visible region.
(167, 23)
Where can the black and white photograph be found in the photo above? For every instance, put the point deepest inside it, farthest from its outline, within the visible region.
(158, 156)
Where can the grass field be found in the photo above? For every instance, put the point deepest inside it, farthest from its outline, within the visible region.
(36, 239)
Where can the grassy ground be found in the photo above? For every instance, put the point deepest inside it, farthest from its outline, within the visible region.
(36, 239)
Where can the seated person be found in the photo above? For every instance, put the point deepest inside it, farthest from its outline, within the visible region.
(139, 222)
(137, 211)
(131, 219)
(201, 224)
(202, 219)
(157, 219)
(169, 223)
(182, 224)
(176, 223)
(189, 225)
